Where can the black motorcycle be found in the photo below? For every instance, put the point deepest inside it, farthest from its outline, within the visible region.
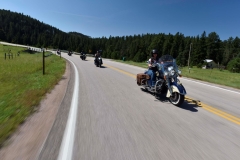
(70, 53)
(167, 82)
(98, 61)
(83, 56)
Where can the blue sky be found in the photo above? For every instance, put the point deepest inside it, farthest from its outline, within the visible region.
(98, 18)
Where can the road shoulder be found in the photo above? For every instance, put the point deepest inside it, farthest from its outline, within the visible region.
(27, 141)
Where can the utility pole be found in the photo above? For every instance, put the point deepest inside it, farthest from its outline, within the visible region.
(189, 58)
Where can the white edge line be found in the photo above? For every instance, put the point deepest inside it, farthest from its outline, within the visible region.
(66, 148)
(212, 86)
(41, 148)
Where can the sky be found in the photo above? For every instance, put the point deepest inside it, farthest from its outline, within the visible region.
(105, 18)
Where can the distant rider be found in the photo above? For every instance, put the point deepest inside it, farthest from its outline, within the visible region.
(96, 56)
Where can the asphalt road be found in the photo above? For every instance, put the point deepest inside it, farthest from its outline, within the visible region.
(116, 120)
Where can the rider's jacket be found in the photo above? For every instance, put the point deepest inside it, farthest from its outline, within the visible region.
(152, 61)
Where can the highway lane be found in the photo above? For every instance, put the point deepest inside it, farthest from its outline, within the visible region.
(221, 97)
(117, 120)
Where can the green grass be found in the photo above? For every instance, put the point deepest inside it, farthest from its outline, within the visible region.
(23, 85)
(216, 76)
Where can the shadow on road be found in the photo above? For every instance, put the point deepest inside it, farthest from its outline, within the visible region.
(189, 106)
(186, 105)
(103, 67)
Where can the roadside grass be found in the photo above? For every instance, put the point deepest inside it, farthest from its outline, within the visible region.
(23, 85)
(221, 77)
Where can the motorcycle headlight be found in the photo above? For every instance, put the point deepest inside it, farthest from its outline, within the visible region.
(165, 73)
(170, 68)
(172, 72)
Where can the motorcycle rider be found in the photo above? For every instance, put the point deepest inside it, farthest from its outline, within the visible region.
(96, 56)
(69, 52)
(81, 54)
(152, 68)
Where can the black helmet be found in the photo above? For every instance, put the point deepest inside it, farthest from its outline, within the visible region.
(154, 51)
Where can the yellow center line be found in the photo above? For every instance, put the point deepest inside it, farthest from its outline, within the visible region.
(215, 111)
(218, 112)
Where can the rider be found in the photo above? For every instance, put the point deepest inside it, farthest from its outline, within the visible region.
(96, 56)
(152, 68)
(82, 53)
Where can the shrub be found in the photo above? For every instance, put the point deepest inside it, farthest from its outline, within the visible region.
(199, 65)
(234, 65)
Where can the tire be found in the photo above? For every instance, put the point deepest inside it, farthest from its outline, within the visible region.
(177, 99)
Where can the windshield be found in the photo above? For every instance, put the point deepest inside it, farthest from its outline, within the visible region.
(167, 61)
(166, 58)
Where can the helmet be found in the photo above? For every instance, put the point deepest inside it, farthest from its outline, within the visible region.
(154, 51)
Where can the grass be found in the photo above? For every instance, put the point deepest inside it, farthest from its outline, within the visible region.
(222, 77)
(23, 85)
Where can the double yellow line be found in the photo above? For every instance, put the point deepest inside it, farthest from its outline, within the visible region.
(218, 112)
(215, 111)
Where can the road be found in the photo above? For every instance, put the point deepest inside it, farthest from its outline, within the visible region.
(115, 119)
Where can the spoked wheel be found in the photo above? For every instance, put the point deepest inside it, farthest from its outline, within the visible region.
(176, 99)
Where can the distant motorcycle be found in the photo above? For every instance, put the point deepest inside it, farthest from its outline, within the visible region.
(98, 62)
(70, 53)
(167, 82)
(83, 56)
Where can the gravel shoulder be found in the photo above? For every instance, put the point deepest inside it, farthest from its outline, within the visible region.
(27, 141)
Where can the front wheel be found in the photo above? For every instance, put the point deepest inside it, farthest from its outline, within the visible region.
(176, 99)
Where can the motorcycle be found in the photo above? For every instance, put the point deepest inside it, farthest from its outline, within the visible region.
(83, 56)
(167, 81)
(98, 62)
(69, 53)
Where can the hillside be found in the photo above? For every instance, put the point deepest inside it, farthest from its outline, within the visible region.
(22, 29)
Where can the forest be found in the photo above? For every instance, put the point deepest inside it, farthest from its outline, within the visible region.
(23, 29)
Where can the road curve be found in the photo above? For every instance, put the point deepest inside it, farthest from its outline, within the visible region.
(117, 120)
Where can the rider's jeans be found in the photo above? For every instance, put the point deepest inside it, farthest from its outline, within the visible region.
(152, 80)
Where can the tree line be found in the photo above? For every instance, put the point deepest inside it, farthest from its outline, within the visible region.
(22, 29)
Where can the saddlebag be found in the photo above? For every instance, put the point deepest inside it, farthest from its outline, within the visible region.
(142, 78)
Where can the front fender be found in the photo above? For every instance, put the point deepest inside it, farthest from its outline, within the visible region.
(177, 88)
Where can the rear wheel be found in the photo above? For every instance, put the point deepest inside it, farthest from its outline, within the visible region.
(176, 99)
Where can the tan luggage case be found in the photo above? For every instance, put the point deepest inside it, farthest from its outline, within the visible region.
(142, 78)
